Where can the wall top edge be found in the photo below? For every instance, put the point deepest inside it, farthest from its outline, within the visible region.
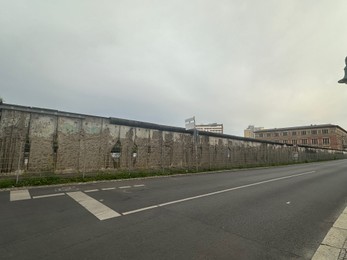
(38, 110)
(134, 123)
(140, 124)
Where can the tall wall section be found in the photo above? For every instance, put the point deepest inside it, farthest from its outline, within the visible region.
(35, 140)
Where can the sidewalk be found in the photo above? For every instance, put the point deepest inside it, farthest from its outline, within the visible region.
(334, 245)
(343, 252)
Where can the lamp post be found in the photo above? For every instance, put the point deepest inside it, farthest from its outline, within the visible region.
(344, 80)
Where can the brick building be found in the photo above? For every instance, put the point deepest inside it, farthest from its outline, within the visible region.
(327, 136)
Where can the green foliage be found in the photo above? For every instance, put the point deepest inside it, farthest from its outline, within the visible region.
(7, 183)
(51, 179)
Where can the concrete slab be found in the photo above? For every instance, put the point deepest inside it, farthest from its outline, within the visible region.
(341, 222)
(326, 253)
(336, 237)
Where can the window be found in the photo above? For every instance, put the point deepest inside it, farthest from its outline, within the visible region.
(326, 141)
(260, 135)
(295, 142)
(285, 141)
(325, 131)
(268, 135)
(314, 132)
(303, 132)
(314, 141)
(276, 134)
(285, 133)
(304, 141)
(293, 133)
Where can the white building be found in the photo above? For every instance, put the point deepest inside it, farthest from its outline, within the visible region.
(213, 128)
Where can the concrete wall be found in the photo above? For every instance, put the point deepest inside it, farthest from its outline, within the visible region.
(34, 140)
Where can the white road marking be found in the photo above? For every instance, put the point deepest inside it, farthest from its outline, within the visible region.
(138, 210)
(98, 209)
(108, 188)
(48, 195)
(139, 185)
(87, 191)
(217, 192)
(288, 202)
(19, 195)
(69, 188)
(125, 187)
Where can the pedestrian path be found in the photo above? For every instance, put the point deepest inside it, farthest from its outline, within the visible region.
(334, 245)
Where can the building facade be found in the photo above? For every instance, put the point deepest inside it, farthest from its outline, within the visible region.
(212, 128)
(326, 136)
(249, 132)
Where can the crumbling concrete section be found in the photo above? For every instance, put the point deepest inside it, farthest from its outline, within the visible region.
(35, 140)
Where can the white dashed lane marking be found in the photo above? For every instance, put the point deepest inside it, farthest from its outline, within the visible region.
(48, 195)
(88, 191)
(16, 195)
(98, 209)
(125, 187)
(19, 195)
(113, 188)
(140, 185)
(94, 206)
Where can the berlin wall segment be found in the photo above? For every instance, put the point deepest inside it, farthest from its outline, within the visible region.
(34, 140)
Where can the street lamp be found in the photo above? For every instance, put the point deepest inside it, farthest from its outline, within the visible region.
(344, 80)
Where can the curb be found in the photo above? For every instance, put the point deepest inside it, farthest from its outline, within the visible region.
(334, 245)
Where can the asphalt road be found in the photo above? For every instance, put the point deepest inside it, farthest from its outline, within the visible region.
(268, 213)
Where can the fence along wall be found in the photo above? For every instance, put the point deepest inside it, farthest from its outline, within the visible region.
(34, 140)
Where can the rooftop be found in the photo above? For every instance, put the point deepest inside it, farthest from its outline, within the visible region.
(301, 128)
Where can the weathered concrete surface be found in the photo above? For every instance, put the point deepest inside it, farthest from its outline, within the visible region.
(39, 140)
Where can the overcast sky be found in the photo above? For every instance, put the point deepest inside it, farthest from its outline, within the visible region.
(271, 63)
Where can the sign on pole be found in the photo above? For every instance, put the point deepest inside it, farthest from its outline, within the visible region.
(190, 123)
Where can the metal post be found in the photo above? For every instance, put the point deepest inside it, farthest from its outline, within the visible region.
(19, 159)
(84, 158)
(196, 148)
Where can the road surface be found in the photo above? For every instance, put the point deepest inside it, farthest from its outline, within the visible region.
(268, 213)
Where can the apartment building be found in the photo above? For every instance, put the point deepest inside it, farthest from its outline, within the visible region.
(249, 132)
(326, 135)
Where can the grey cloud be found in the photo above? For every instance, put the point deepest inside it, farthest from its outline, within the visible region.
(270, 63)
